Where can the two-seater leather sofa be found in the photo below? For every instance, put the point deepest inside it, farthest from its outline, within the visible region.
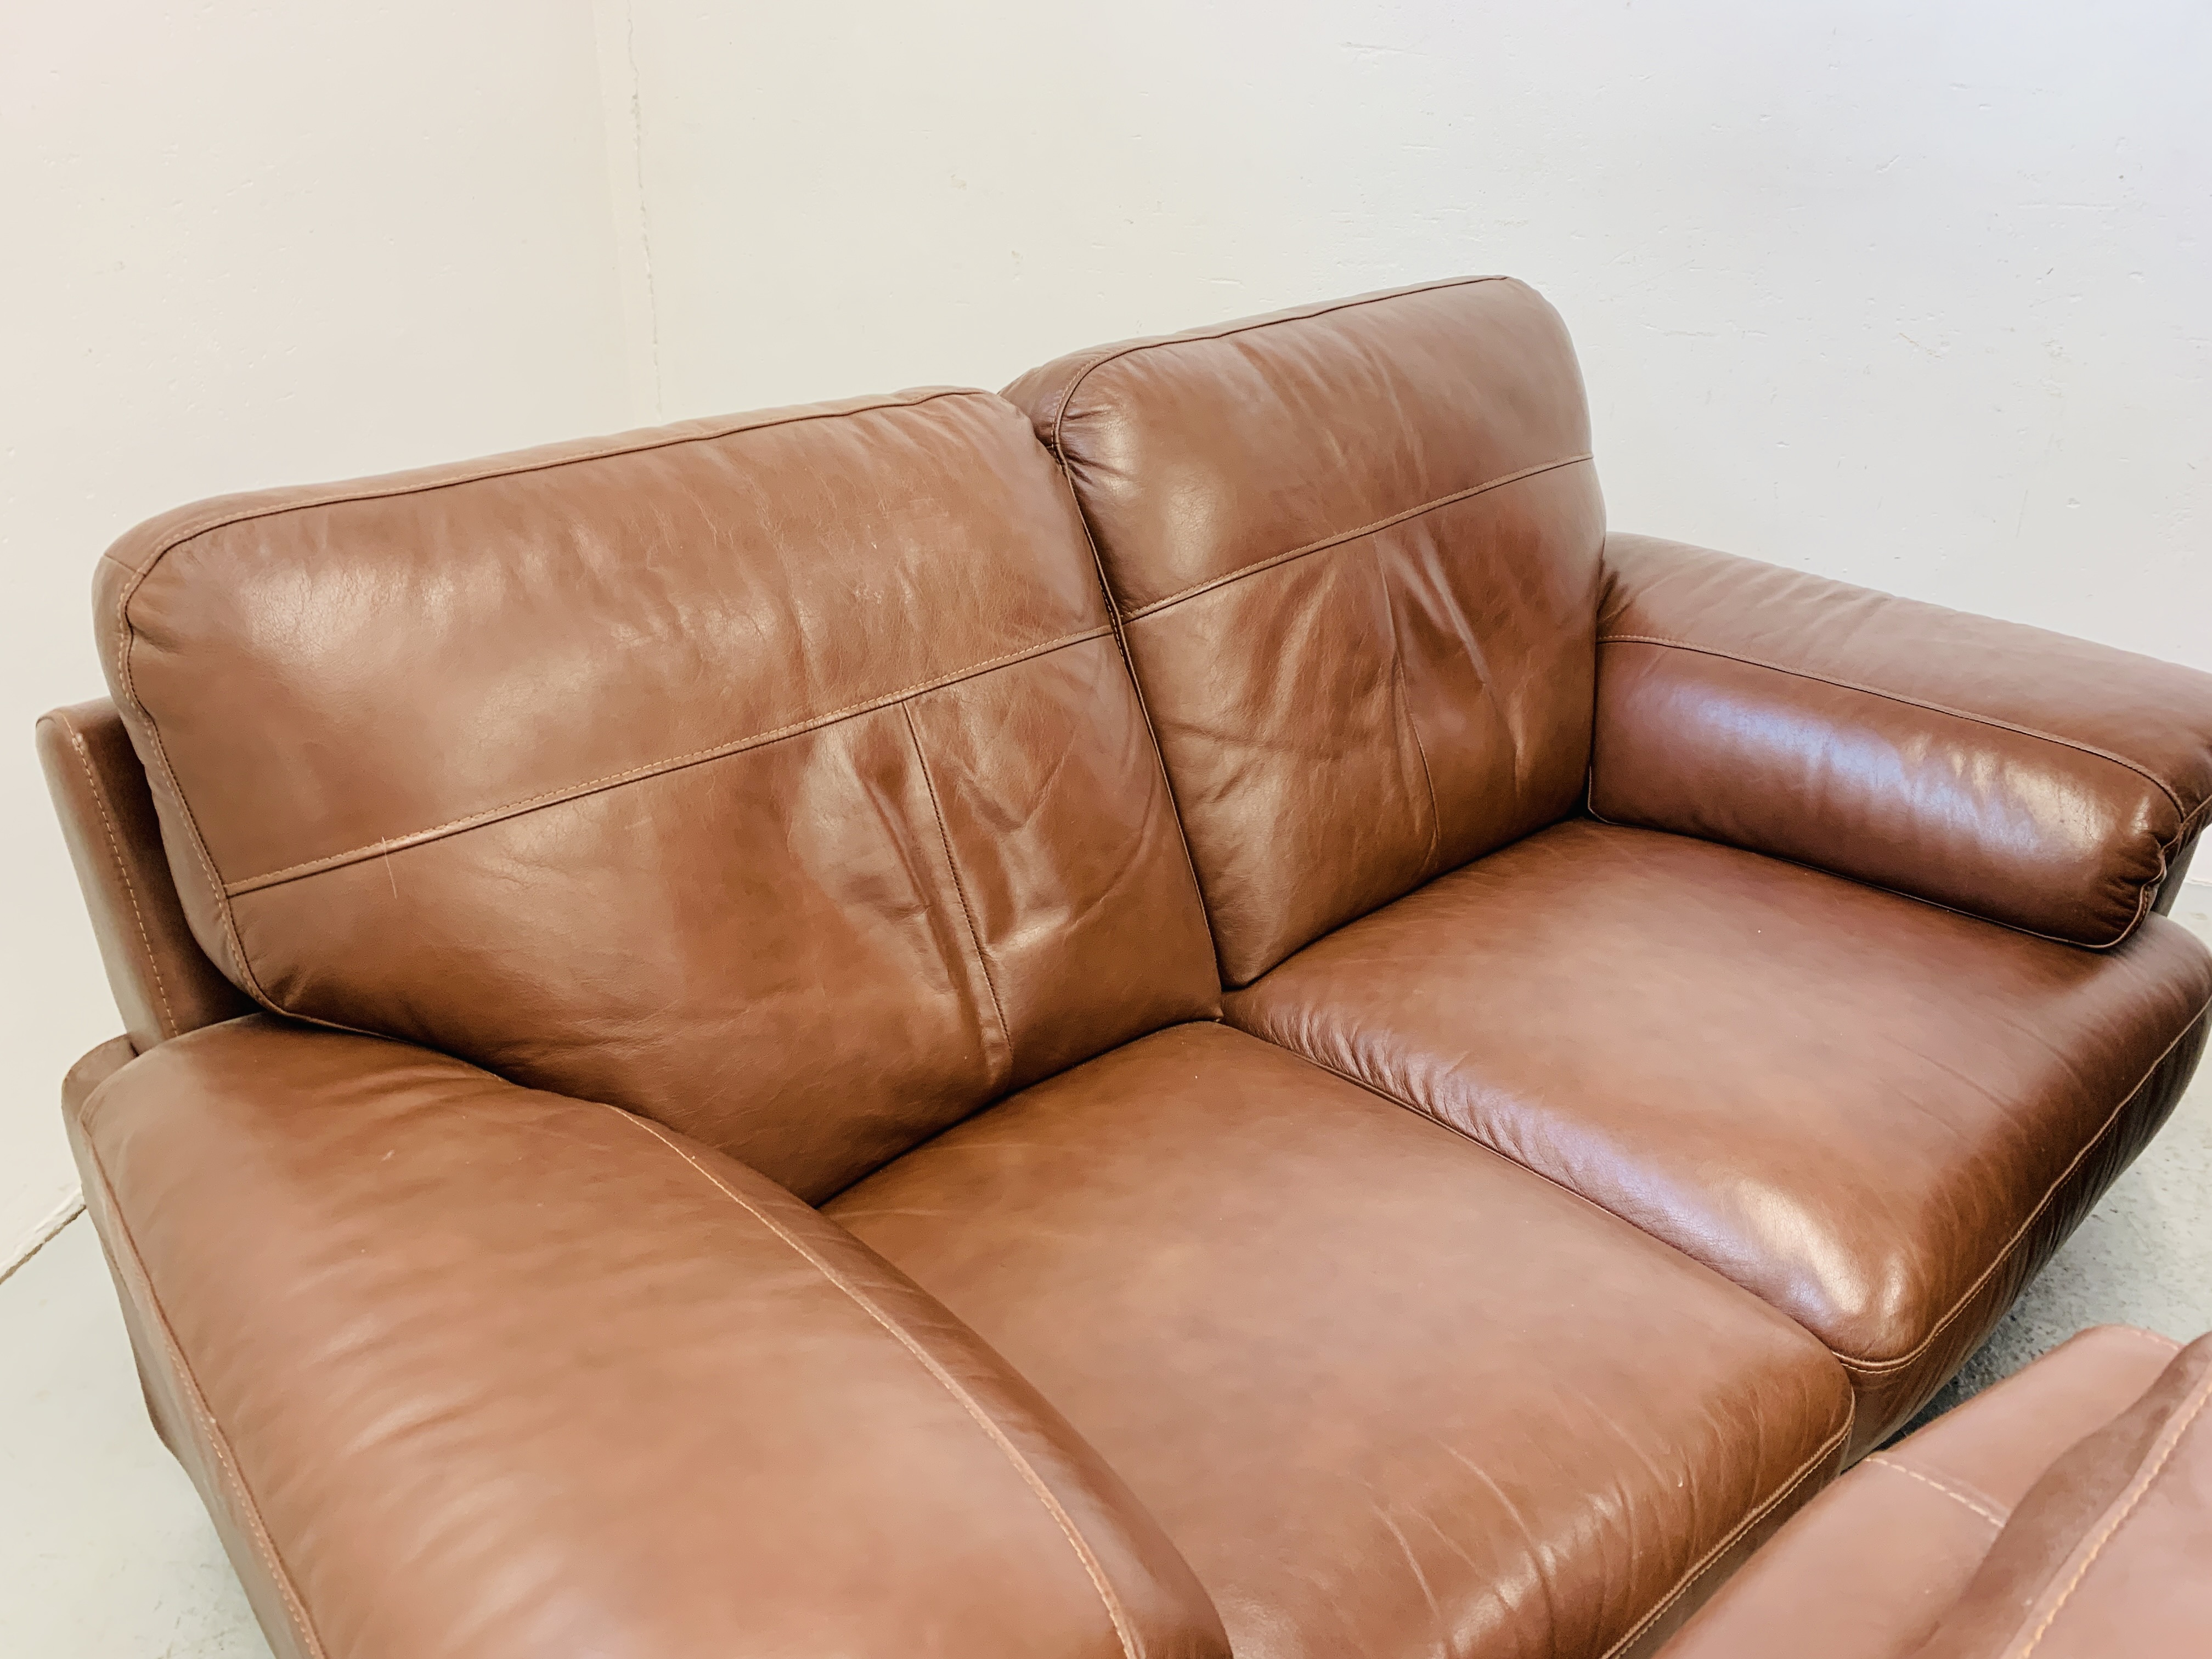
(1176, 1014)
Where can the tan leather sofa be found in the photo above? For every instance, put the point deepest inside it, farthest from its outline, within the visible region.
(710, 1072)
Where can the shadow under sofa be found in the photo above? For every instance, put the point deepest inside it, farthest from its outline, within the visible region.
(1177, 1012)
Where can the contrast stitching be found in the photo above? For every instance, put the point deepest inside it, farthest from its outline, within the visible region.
(1227, 330)
(571, 791)
(128, 639)
(128, 634)
(945, 1379)
(1705, 1562)
(1952, 1492)
(1328, 542)
(1871, 1367)
(218, 1442)
(341, 495)
(2165, 788)
(1878, 1367)
(959, 887)
(123, 873)
(2173, 1438)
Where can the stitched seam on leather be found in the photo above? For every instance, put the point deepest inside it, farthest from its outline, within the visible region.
(1704, 1563)
(2166, 788)
(221, 894)
(1228, 331)
(123, 873)
(129, 635)
(652, 769)
(1882, 1367)
(1327, 542)
(959, 887)
(1951, 1492)
(128, 642)
(928, 1362)
(343, 495)
(1874, 1367)
(2141, 1484)
(231, 1475)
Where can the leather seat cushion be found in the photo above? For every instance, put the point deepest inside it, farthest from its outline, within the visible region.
(1387, 1393)
(1879, 1115)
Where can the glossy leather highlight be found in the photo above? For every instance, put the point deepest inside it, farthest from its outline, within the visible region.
(769, 806)
(2038, 781)
(1879, 1116)
(1387, 1393)
(660, 768)
(1354, 550)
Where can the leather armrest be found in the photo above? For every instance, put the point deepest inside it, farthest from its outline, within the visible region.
(2020, 775)
(164, 984)
(465, 1369)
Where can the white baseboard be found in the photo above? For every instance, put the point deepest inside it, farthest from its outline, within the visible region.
(27, 1244)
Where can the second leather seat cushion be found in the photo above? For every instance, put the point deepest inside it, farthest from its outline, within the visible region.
(1879, 1116)
(1387, 1393)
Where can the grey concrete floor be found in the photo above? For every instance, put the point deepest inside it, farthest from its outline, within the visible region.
(105, 1553)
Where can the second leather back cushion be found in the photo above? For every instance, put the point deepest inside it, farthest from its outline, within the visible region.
(1356, 551)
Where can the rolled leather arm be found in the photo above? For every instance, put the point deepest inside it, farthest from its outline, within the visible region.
(465, 1369)
(2018, 775)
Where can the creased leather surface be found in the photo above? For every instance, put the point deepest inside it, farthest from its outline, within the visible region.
(1867, 1569)
(2039, 781)
(1880, 1117)
(803, 737)
(1387, 1393)
(467, 1369)
(163, 983)
(1355, 548)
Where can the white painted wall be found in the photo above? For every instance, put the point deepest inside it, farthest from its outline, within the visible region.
(243, 245)
(1910, 294)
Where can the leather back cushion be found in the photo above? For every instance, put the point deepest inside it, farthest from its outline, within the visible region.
(779, 778)
(1356, 552)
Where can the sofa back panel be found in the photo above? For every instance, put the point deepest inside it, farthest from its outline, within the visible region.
(779, 778)
(1355, 550)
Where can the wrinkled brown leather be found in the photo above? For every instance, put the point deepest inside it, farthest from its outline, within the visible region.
(2039, 781)
(2111, 1551)
(802, 737)
(1387, 1393)
(1867, 1569)
(1355, 551)
(1879, 1116)
(163, 983)
(468, 1370)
